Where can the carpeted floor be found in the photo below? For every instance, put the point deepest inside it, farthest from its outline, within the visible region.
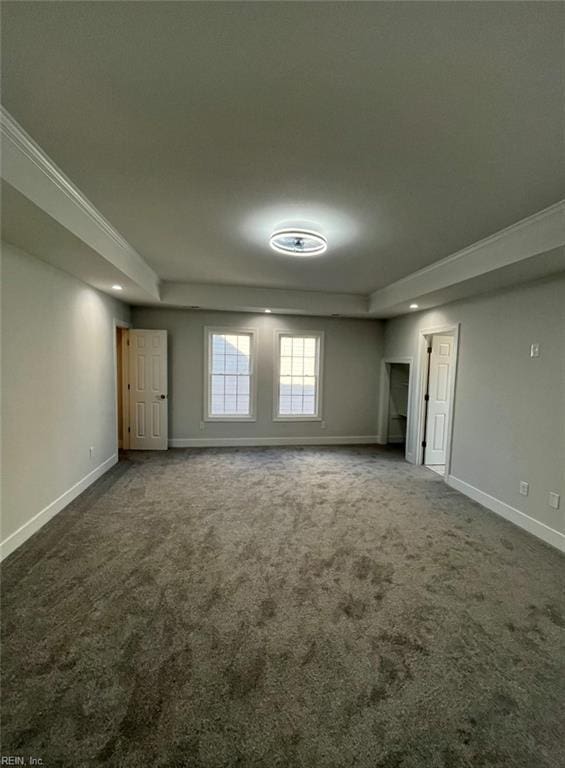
(316, 607)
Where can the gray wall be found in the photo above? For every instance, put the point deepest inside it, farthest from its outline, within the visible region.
(353, 351)
(509, 421)
(59, 397)
(58, 385)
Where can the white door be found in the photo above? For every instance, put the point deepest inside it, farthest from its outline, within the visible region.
(148, 389)
(441, 371)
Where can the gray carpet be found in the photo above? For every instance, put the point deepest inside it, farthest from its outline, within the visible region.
(308, 607)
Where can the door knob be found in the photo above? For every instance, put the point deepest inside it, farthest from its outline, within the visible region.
(163, 397)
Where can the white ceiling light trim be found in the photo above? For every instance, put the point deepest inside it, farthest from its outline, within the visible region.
(298, 242)
(338, 227)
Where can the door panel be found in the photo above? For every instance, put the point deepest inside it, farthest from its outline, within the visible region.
(139, 430)
(148, 389)
(438, 432)
(441, 371)
(442, 381)
(156, 419)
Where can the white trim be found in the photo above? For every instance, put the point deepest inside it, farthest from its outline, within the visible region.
(535, 219)
(452, 330)
(30, 170)
(31, 149)
(296, 417)
(530, 524)
(538, 233)
(319, 336)
(384, 398)
(230, 331)
(16, 539)
(218, 442)
(227, 419)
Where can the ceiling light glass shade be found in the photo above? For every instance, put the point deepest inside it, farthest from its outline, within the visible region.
(298, 242)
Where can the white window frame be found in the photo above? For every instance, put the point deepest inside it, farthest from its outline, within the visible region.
(319, 335)
(208, 331)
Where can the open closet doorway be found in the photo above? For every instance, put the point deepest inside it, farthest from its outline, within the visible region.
(398, 404)
(437, 401)
(395, 405)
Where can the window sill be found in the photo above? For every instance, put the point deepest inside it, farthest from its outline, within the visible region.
(229, 418)
(297, 418)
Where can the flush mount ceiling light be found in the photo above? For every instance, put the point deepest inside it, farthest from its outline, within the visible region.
(117, 287)
(413, 306)
(298, 242)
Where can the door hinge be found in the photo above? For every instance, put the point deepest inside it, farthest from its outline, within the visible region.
(426, 398)
(127, 342)
(129, 429)
(129, 386)
(424, 444)
(429, 350)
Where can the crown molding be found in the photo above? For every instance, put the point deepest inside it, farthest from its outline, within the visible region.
(28, 168)
(13, 131)
(537, 234)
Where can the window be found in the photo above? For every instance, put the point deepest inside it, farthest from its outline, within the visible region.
(230, 375)
(298, 382)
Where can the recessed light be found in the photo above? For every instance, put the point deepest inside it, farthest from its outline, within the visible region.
(298, 242)
(268, 311)
(413, 306)
(117, 287)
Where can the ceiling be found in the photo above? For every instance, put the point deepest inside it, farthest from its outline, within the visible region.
(404, 131)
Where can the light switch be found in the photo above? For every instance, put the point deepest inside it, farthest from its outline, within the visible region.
(534, 350)
(524, 488)
(553, 500)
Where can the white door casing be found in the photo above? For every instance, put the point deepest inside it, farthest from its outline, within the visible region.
(441, 371)
(148, 390)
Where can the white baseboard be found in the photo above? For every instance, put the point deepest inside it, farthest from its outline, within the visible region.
(234, 442)
(16, 539)
(535, 527)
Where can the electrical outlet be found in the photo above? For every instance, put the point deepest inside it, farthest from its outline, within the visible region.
(201, 425)
(524, 488)
(91, 451)
(553, 500)
(534, 350)
(323, 425)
